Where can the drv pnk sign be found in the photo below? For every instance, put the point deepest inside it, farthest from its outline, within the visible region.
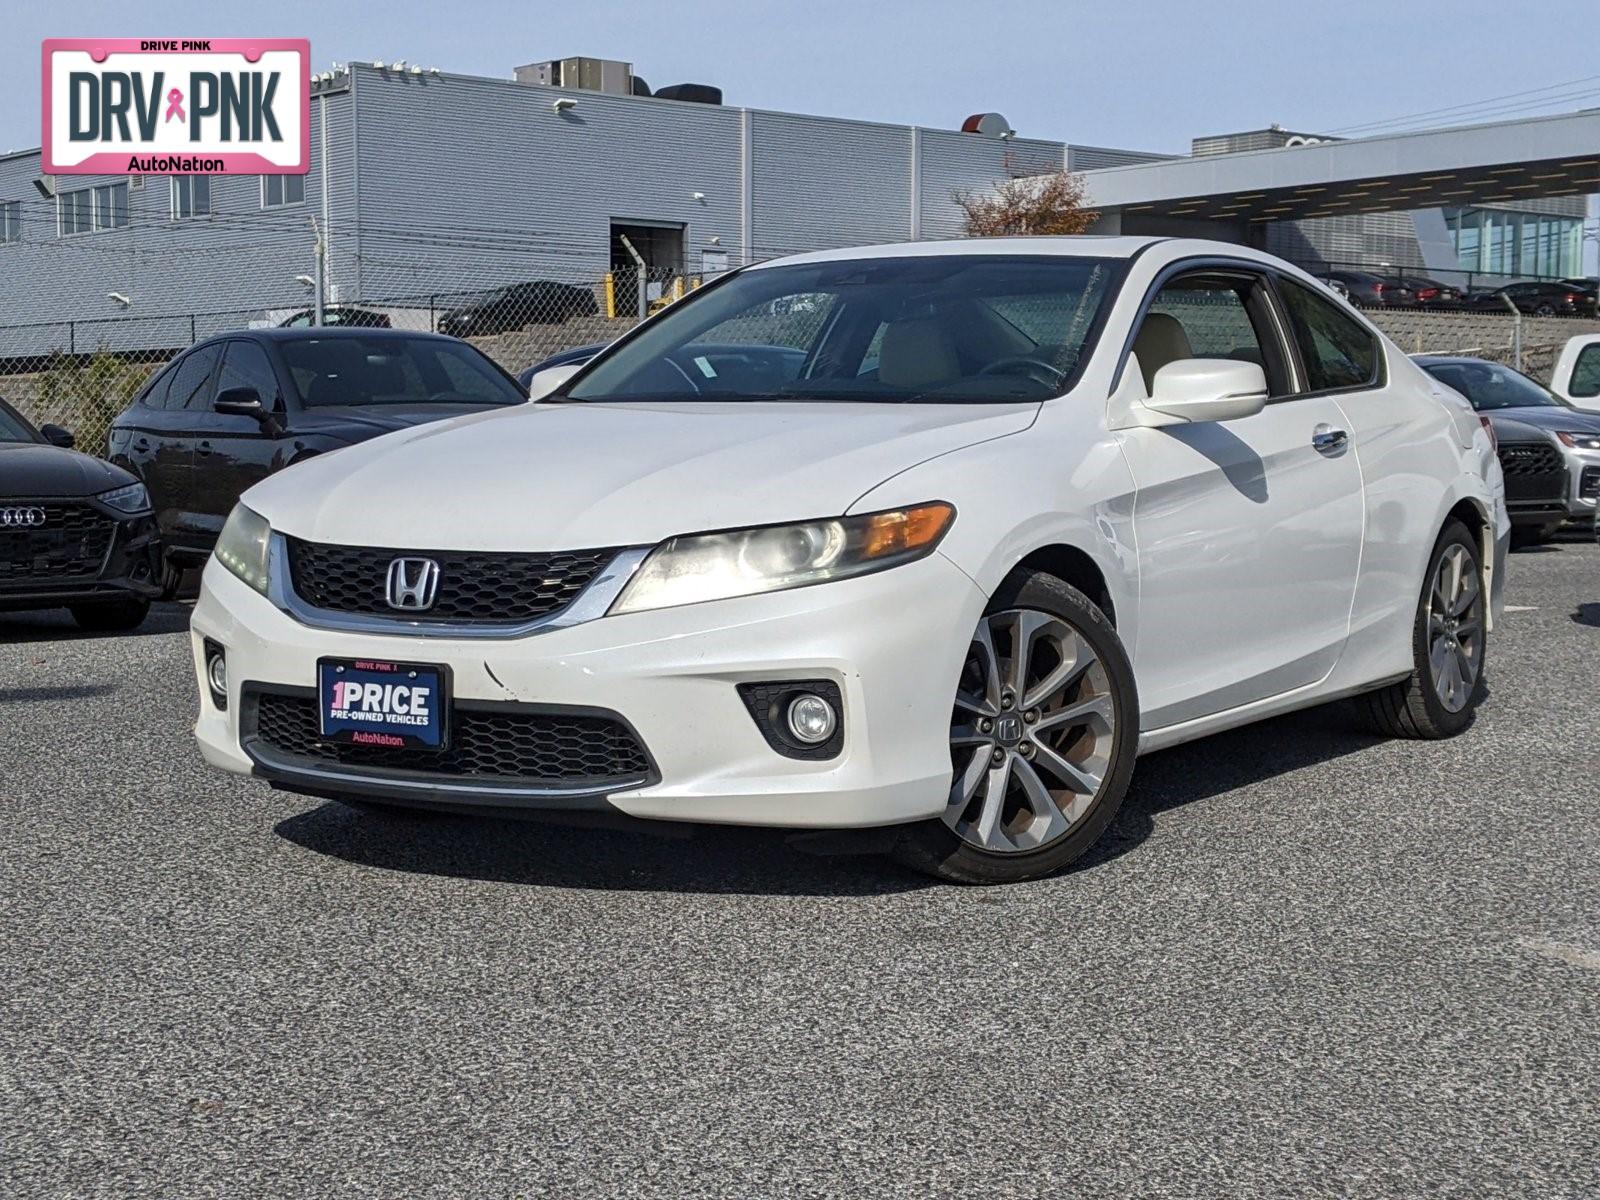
(166, 106)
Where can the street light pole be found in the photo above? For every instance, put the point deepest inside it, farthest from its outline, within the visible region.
(322, 270)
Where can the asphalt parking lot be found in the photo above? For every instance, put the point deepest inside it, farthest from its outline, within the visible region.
(1308, 962)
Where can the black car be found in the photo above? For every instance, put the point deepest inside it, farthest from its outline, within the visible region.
(1367, 289)
(1588, 291)
(1430, 293)
(1535, 299)
(75, 532)
(229, 411)
(540, 302)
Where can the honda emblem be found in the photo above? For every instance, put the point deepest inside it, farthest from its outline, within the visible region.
(413, 584)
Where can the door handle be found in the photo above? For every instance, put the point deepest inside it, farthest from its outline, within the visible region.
(203, 448)
(1328, 440)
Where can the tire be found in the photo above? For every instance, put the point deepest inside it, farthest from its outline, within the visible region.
(111, 616)
(1418, 706)
(1082, 733)
(1544, 310)
(171, 579)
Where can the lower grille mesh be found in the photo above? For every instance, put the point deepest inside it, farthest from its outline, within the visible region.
(524, 746)
(71, 544)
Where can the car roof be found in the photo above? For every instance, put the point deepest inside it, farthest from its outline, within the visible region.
(301, 333)
(1446, 360)
(1077, 246)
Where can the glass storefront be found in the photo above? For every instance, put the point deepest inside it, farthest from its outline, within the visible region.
(1493, 241)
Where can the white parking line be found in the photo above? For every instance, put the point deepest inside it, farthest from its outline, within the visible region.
(1522, 608)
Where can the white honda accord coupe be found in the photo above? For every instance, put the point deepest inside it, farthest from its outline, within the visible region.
(933, 537)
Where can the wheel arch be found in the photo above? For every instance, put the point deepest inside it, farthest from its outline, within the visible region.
(1075, 567)
(1472, 512)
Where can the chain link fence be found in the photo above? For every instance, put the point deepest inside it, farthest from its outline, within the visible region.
(80, 374)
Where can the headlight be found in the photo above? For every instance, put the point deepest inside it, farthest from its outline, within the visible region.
(1579, 439)
(242, 546)
(130, 499)
(746, 562)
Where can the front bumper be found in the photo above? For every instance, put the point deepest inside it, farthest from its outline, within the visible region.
(892, 642)
(131, 569)
(1584, 466)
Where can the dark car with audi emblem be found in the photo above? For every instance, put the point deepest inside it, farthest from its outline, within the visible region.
(75, 532)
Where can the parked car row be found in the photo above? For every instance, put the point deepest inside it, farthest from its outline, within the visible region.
(504, 310)
(1370, 289)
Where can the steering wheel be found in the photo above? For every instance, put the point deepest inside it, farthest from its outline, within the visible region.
(1036, 369)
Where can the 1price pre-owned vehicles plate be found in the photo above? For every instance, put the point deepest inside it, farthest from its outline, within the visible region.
(1011, 512)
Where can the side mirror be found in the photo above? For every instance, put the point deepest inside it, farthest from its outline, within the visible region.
(1209, 389)
(58, 436)
(548, 380)
(240, 402)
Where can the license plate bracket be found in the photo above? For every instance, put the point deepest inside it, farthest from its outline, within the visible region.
(378, 702)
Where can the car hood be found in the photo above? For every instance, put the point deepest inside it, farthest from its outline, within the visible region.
(358, 422)
(1509, 429)
(583, 475)
(32, 471)
(1545, 417)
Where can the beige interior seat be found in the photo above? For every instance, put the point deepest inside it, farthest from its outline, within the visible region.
(917, 354)
(1161, 340)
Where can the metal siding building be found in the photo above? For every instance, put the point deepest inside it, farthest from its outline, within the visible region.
(441, 183)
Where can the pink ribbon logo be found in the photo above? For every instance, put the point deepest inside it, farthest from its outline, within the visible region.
(175, 105)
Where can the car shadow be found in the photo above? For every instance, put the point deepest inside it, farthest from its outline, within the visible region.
(57, 625)
(713, 860)
(1587, 614)
(721, 860)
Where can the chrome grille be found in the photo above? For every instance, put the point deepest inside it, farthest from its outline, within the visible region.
(475, 587)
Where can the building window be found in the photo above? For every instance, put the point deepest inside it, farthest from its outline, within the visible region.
(1499, 242)
(278, 190)
(191, 196)
(103, 207)
(11, 221)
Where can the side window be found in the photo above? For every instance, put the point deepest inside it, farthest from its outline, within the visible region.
(189, 381)
(1211, 315)
(1586, 372)
(155, 392)
(1336, 350)
(245, 364)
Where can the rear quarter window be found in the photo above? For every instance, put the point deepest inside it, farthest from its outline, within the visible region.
(1338, 352)
(1586, 372)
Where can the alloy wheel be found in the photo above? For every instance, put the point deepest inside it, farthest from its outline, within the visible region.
(1455, 628)
(1032, 732)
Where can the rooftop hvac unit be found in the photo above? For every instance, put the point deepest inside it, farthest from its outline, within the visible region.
(585, 74)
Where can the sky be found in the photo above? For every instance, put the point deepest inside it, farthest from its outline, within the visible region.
(1139, 74)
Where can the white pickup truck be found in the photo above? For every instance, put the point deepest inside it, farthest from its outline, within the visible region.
(1576, 378)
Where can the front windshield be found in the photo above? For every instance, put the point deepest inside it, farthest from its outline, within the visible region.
(345, 370)
(1490, 386)
(948, 328)
(13, 428)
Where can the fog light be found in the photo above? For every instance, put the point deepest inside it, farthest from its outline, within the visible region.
(811, 719)
(217, 674)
